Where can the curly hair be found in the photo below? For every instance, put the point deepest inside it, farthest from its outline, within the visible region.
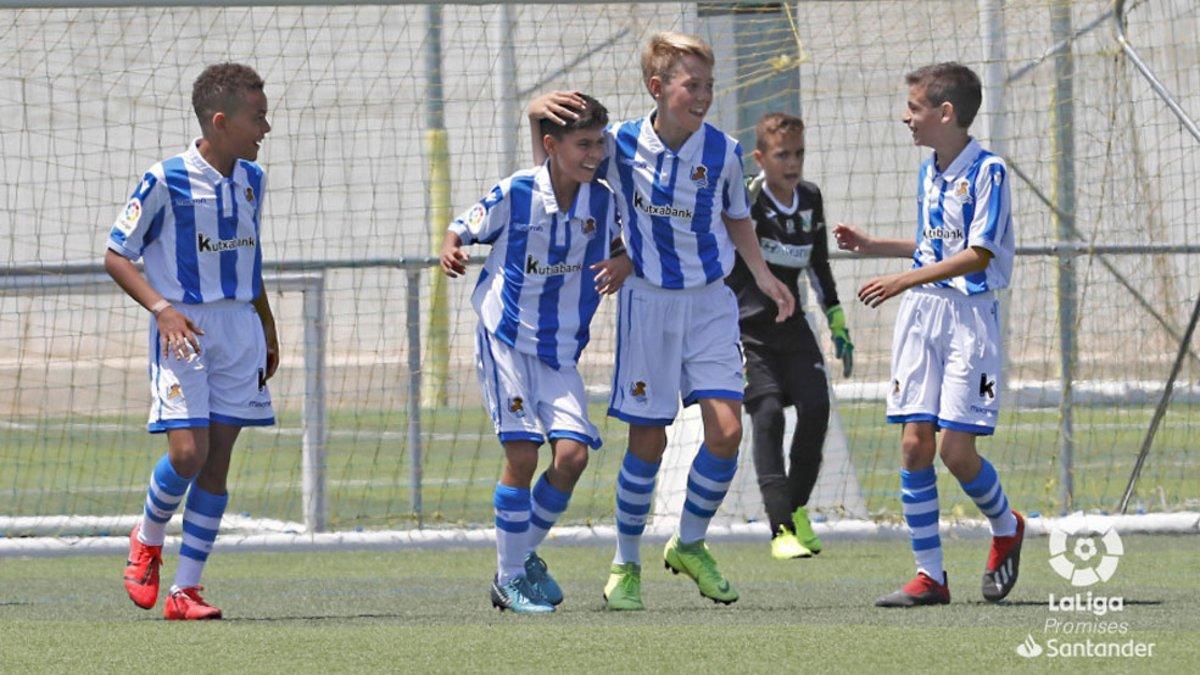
(220, 88)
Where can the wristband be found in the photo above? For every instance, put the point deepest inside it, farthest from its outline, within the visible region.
(160, 306)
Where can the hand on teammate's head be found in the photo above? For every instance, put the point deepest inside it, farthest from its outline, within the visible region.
(556, 106)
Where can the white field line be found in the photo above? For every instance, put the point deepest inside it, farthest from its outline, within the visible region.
(1158, 523)
(268, 431)
(277, 486)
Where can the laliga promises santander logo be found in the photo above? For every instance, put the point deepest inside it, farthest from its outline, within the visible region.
(1083, 563)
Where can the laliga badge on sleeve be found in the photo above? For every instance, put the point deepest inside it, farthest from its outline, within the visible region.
(475, 215)
(130, 216)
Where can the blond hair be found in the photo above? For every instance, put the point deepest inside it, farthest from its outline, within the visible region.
(666, 48)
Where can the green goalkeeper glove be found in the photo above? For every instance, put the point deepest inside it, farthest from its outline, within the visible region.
(843, 347)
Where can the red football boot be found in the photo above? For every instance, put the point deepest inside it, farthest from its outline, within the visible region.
(922, 590)
(141, 571)
(1004, 561)
(185, 604)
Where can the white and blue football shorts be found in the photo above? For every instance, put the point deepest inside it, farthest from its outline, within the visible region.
(671, 344)
(527, 399)
(226, 382)
(946, 360)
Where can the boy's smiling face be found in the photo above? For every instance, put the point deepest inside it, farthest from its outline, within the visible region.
(925, 120)
(578, 153)
(242, 129)
(782, 161)
(684, 98)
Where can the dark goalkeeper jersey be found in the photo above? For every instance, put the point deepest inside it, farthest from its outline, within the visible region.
(792, 242)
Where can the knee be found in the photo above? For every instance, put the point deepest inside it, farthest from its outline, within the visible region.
(521, 466)
(963, 463)
(813, 416)
(188, 457)
(723, 440)
(766, 408)
(211, 483)
(918, 449)
(648, 443)
(571, 462)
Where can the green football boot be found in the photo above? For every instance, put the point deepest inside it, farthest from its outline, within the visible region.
(804, 531)
(695, 561)
(785, 546)
(624, 588)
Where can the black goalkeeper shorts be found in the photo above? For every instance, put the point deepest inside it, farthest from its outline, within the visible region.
(794, 371)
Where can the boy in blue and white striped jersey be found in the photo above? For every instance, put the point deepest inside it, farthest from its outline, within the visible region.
(194, 219)
(684, 210)
(553, 232)
(946, 349)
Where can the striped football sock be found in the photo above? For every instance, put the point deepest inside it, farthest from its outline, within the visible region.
(635, 496)
(707, 483)
(919, 497)
(201, 521)
(547, 503)
(985, 490)
(162, 500)
(511, 505)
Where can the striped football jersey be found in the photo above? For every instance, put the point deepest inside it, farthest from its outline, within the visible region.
(537, 291)
(196, 230)
(968, 204)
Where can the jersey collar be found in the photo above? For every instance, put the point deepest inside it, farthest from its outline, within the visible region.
(788, 210)
(197, 160)
(649, 139)
(961, 164)
(541, 180)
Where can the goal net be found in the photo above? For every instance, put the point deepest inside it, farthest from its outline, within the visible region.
(383, 127)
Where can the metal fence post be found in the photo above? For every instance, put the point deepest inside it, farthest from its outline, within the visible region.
(1062, 110)
(313, 443)
(413, 323)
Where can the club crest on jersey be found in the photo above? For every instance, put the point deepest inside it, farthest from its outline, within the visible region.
(516, 406)
(174, 392)
(589, 226)
(806, 221)
(961, 189)
(700, 176)
(249, 194)
(637, 390)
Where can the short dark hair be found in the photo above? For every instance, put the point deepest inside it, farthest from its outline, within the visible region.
(951, 82)
(591, 116)
(220, 89)
(773, 124)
